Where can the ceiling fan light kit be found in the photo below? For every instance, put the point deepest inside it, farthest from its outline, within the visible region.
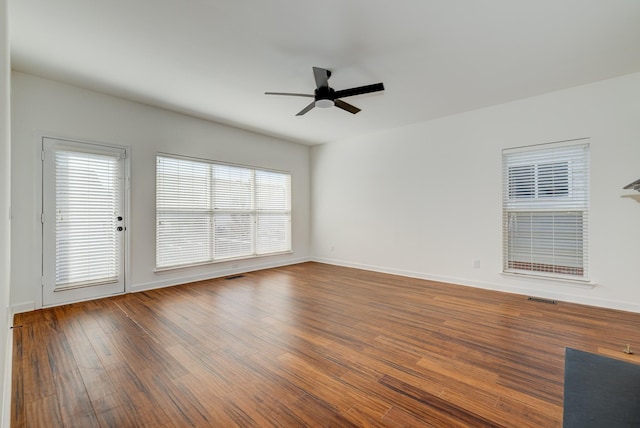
(324, 103)
(325, 96)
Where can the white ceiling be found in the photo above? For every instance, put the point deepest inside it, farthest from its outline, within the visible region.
(215, 58)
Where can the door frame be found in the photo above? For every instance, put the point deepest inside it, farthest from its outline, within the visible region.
(39, 207)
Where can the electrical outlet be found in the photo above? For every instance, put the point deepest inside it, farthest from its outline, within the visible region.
(476, 264)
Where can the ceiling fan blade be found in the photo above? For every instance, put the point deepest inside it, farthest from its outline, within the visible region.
(289, 94)
(346, 106)
(359, 90)
(322, 77)
(306, 109)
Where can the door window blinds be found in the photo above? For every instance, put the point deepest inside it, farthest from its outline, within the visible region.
(545, 210)
(87, 203)
(207, 212)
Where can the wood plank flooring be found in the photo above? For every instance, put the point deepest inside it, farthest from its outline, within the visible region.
(305, 345)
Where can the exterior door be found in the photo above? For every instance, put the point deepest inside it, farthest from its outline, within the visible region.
(83, 224)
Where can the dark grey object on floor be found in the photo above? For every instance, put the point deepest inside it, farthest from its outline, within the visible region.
(600, 391)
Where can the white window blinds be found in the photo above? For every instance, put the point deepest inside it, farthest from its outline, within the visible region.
(183, 212)
(208, 212)
(273, 208)
(86, 204)
(234, 217)
(545, 210)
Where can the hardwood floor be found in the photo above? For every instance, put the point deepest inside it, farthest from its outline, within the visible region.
(305, 345)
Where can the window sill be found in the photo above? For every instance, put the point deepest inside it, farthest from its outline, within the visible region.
(579, 283)
(215, 262)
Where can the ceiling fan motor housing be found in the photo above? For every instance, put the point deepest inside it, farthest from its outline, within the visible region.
(325, 93)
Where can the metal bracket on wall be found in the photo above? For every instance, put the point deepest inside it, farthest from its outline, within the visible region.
(635, 185)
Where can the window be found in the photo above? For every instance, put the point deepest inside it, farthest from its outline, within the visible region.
(545, 210)
(208, 212)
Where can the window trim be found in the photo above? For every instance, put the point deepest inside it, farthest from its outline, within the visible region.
(254, 212)
(573, 282)
(576, 200)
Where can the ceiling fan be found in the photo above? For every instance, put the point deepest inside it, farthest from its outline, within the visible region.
(325, 96)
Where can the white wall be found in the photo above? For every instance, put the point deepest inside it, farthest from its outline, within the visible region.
(5, 225)
(43, 107)
(425, 200)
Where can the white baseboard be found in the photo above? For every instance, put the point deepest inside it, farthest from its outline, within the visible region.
(31, 306)
(514, 289)
(19, 308)
(511, 288)
(212, 275)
